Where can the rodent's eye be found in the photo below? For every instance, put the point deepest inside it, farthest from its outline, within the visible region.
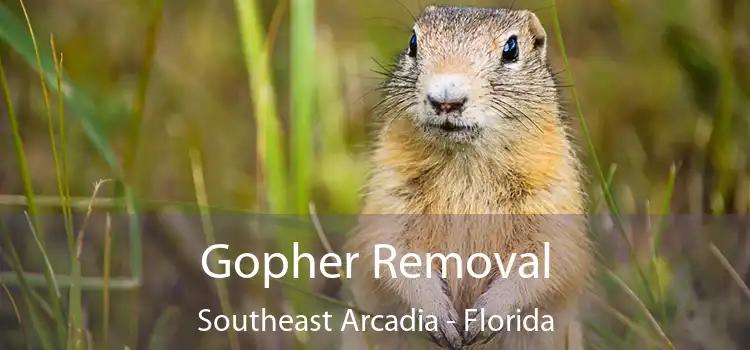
(413, 46)
(510, 50)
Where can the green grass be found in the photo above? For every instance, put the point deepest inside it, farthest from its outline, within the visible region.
(44, 337)
(268, 129)
(208, 231)
(277, 178)
(608, 196)
(71, 331)
(29, 295)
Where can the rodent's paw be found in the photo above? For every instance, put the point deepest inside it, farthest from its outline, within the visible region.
(478, 331)
(448, 333)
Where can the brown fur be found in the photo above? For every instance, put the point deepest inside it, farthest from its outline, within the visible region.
(519, 170)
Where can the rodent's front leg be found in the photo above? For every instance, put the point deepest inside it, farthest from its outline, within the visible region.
(505, 296)
(497, 299)
(433, 297)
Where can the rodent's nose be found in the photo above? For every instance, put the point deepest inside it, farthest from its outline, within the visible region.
(447, 93)
(446, 106)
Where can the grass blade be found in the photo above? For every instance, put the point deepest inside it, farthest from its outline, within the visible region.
(36, 229)
(13, 32)
(139, 101)
(665, 209)
(164, 328)
(12, 300)
(41, 329)
(36, 280)
(136, 253)
(52, 287)
(343, 185)
(632, 325)
(273, 27)
(643, 307)
(327, 245)
(36, 223)
(612, 341)
(270, 153)
(106, 280)
(656, 241)
(130, 159)
(63, 173)
(610, 177)
(302, 94)
(721, 132)
(732, 272)
(49, 272)
(598, 168)
(202, 198)
(76, 308)
(23, 168)
(303, 38)
(29, 200)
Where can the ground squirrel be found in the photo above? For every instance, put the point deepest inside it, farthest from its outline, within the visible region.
(472, 124)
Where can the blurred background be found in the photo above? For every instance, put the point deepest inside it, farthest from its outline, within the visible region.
(175, 102)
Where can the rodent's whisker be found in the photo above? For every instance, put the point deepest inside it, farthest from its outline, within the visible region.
(406, 27)
(385, 103)
(397, 84)
(521, 91)
(524, 96)
(508, 105)
(530, 95)
(506, 114)
(557, 74)
(394, 101)
(398, 81)
(387, 69)
(391, 90)
(395, 88)
(399, 100)
(394, 91)
(360, 76)
(390, 74)
(369, 91)
(390, 123)
(397, 114)
(555, 86)
(528, 99)
(391, 104)
(542, 8)
(405, 107)
(413, 17)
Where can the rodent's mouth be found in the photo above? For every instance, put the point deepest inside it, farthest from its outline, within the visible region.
(453, 127)
(453, 131)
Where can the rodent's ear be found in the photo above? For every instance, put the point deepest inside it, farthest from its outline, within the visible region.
(539, 35)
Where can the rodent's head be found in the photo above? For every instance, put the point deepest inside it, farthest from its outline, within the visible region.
(470, 74)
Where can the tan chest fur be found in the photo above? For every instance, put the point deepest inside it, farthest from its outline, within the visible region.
(473, 202)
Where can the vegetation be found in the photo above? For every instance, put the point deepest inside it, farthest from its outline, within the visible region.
(193, 120)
